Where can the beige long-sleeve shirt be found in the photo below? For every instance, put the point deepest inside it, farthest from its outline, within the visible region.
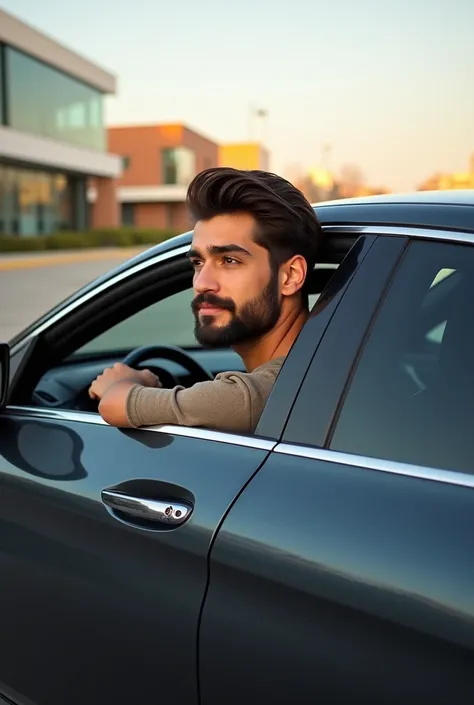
(232, 402)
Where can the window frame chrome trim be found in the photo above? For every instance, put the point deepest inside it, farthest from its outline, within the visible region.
(419, 233)
(90, 417)
(217, 436)
(419, 472)
(38, 412)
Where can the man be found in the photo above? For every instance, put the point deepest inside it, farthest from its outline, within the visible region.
(255, 240)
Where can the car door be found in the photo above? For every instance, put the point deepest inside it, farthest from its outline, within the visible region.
(344, 571)
(101, 593)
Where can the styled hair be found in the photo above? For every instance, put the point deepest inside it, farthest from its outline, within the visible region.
(286, 223)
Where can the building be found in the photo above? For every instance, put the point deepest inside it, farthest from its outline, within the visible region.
(52, 136)
(450, 182)
(159, 161)
(244, 155)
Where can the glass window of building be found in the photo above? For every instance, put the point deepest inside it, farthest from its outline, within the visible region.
(34, 202)
(46, 102)
(178, 166)
(128, 214)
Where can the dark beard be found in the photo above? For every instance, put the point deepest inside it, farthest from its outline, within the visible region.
(255, 318)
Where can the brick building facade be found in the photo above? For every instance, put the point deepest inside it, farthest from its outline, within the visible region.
(159, 161)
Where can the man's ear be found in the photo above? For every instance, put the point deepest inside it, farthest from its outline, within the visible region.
(293, 275)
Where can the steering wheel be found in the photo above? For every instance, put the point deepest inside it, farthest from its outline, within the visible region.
(148, 352)
(168, 352)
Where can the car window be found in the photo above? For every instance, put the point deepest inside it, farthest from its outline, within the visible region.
(412, 395)
(168, 322)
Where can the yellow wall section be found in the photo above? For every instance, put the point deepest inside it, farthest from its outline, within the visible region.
(246, 155)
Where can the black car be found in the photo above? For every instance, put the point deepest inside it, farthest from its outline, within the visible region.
(327, 558)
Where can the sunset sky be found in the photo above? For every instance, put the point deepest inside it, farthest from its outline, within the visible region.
(388, 84)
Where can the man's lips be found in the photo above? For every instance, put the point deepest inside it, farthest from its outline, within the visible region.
(208, 309)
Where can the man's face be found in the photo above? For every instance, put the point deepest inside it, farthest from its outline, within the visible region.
(237, 297)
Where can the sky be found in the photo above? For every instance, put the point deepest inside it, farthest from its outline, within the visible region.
(387, 84)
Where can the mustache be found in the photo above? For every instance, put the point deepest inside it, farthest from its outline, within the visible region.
(212, 300)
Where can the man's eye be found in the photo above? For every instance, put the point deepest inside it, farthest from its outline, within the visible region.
(230, 260)
(196, 263)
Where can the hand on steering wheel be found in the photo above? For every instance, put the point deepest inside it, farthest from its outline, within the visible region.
(168, 352)
(150, 352)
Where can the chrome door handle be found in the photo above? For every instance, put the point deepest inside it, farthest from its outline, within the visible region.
(149, 509)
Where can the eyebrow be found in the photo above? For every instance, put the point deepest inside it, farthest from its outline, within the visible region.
(219, 250)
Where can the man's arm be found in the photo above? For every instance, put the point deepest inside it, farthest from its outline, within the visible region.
(233, 402)
(224, 404)
(113, 405)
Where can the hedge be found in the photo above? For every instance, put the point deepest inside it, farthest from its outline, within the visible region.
(117, 237)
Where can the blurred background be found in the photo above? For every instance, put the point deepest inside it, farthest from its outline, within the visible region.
(108, 108)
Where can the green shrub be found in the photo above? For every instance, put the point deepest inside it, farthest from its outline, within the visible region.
(26, 244)
(119, 237)
(66, 241)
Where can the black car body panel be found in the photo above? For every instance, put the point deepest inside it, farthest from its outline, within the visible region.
(326, 587)
(450, 217)
(94, 609)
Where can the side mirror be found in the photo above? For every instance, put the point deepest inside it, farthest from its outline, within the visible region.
(4, 372)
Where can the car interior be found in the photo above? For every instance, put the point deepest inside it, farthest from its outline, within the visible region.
(425, 333)
(414, 383)
(441, 410)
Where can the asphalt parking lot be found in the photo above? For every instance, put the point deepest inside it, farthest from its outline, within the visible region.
(32, 284)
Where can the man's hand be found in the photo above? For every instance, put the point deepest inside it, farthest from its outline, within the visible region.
(121, 373)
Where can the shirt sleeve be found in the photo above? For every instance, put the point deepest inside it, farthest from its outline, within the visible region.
(233, 402)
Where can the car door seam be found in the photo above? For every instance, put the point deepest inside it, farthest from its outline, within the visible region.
(208, 564)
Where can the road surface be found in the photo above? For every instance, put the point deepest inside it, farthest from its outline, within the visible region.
(32, 284)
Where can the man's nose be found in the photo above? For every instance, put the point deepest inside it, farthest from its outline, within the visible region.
(205, 280)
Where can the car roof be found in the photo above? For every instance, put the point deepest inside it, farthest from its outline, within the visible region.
(443, 210)
(458, 197)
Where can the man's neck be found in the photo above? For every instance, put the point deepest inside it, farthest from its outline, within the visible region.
(276, 343)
